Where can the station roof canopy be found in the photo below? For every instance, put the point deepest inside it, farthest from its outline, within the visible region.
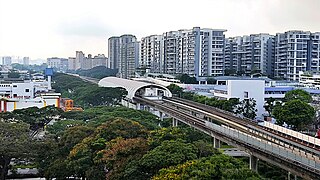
(131, 86)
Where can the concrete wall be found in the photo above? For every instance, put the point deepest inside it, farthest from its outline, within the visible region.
(26, 103)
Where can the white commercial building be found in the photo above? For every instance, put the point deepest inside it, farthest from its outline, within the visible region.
(243, 89)
(29, 93)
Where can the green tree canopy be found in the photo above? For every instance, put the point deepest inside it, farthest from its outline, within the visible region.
(169, 153)
(186, 79)
(215, 167)
(15, 142)
(119, 153)
(86, 94)
(296, 113)
(269, 105)
(298, 94)
(175, 90)
(247, 108)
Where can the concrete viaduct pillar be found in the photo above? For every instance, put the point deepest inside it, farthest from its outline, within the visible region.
(174, 122)
(161, 115)
(216, 142)
(289, 176)
(138, 106)
(253, 163)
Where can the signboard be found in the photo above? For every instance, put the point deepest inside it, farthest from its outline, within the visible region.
(48, 71)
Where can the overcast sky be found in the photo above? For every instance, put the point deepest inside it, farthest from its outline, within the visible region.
(46, 28)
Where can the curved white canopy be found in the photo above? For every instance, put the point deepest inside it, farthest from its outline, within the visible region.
(131, 86)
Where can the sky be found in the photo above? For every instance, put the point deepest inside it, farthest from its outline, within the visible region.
(46, 28)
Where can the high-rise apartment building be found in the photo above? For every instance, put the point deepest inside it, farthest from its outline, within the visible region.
(129, 56)
(6, 60)
(25, 60)
(84, 63)
(314, 52)
(196, 52)
(113, 52)
(250, 54)
(296, 51)
(151, 53)
(81, 61)
(99, 60)
(72, 63)
(60, 64)
(212, 44)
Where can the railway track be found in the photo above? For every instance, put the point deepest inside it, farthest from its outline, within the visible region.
(236, 122)
(201, 124)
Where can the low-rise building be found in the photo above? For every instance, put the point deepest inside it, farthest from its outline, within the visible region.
(19, 94)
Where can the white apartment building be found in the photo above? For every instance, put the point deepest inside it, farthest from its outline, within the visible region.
(25, 60)
(6, 60)
(60, 64)
(196, 52)
(310, 81)
(296, 51)
(129, 56)
(80, 62)
(211, 61)
(84, 63)
(72, 63)
(246, 54)
(99, 60)
(151, 53)
(113, 52)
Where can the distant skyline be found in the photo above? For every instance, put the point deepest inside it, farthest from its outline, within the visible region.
(42, 29)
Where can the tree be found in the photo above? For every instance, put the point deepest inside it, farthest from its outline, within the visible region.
(186, 79)
(211, 80)
(85, 93)
(269, 105)
(83, 159)
(15, 143)
(247, 108)
(175, 89)
(296, 113)
(96, 96)
(298, 94)
(53, 152)
(14, 74)
(229, 72)
(215, 167)
(119, 153)
(169, 153)
(98, 72)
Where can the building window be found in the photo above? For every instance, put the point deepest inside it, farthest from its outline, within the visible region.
(15, 95)
(246, 94)
(14, 85)
(27, 90)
